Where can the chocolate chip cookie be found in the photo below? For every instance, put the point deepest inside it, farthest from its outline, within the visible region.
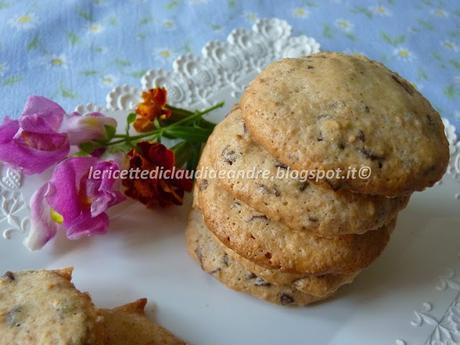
(214, 259)
(43, 307)
(128, 324)
(262, 182)
(331, 111)
(271, 244)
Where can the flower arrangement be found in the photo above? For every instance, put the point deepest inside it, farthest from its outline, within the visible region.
(72, 145)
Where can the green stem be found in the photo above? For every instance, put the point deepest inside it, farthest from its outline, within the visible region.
(201, 113)
(159, 132)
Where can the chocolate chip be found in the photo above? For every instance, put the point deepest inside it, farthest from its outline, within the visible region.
(229, 155)
(268, 255)
(310, 67)
(333, 184)
(9, 275)
(215, 271)
(258, 217)
(403, 84)
(261, 282)
(430, 120)
(371, 155)
(13, 317)
(251, 276)
(267, 190)
(280, 165)
(286, 299)
(303, 185)
(320, 136)
(225, 260)
(203, 184)
(199, 256)
(341, 145)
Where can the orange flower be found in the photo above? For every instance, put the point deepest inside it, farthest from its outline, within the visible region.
(156, 190)
(153, 106)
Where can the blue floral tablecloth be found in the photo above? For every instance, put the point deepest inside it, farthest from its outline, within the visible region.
(75, 51)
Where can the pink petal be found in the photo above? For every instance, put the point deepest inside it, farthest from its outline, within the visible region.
(85, 225)
(50, 111)
(42, 227)
(8, 129)
(84, 128)
(19, 153)
(66, 179)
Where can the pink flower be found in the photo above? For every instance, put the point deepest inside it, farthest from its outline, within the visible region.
(43, 134)
(33, 142)
(74, 201)
(87, 127)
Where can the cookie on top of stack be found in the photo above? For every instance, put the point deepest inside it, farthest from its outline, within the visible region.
(293, 241)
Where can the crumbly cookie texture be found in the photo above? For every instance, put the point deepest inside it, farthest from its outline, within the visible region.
(319, 286)
(214, 260)
(128, 324)
(330, 110)
(255, 237)
(297, 203)
(43, 307)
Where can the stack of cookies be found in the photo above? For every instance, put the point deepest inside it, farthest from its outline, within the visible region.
(260, 228)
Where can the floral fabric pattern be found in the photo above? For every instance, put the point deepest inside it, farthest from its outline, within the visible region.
(75, 51)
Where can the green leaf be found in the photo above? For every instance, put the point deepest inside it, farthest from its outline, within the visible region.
(455, 63)
(187, 133)
(350, 36)
(181, 153)
(436, 56)
(450, 91)
(194, 157)
(122, 63)
(109, 132)
(120, 148)
(393, 41)
(187, 154)
(14, 79)
(73, 38)
(172, 4)
(425, 24)
(86, 15)
(66, 92)
(33, 43)
(138, 74)
(205, 124)
(131, 118)
(113, 21)
(145, 20)
(88, 147)
(421, 74)
(327, 31)
(89, 72)
(362, 10)
(4, 4)
(309, 3)
(156, 123)
(80, 153)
